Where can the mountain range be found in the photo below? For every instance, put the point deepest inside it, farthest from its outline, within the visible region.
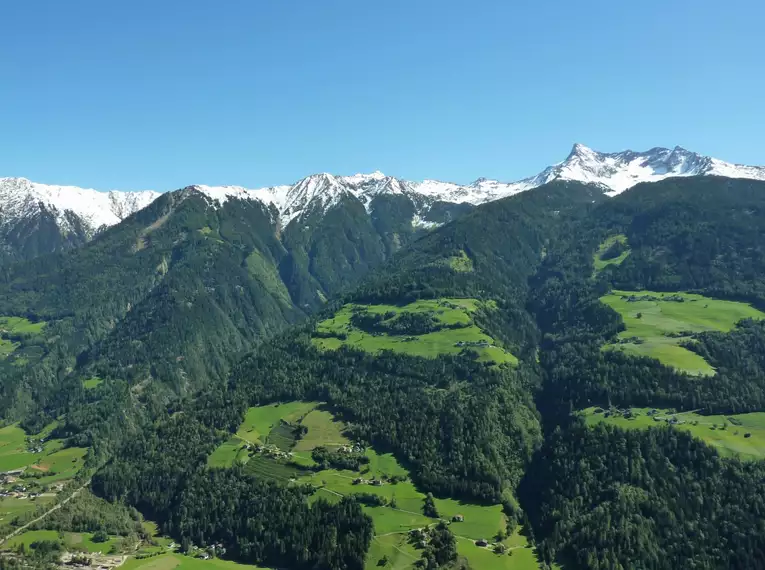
(489, 366)
(38, 217)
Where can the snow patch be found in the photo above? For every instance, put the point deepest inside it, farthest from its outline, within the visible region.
(615, 172)
(22, 198)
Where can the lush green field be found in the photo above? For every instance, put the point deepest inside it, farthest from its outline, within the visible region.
(263, 424)
(27, 538)
(57, 462)
(726, 433)
(71, 540)
(396, 548)
(323, 429)
(62, 465)
(181, 562)
(13, 453)
(517, 558)
(259, 421)
(11, 507)
(599, 263)
(460, 263)
(17, 327)
(403, 511)
(228, 452)
(267, 468)
(662, 324)
(7, 347)
(91, 383)
(392, 524)
(20, 326)
(337, 331)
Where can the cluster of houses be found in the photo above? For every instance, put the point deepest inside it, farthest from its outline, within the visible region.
(478, 343)
(269, 450)
(420, 536)
(352, 448)
(672, 420)
(373, 482)
(12, 487)
(627, 413)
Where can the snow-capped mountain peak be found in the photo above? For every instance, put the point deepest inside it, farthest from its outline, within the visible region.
(614, 172)
(22, 198)
(620, 171)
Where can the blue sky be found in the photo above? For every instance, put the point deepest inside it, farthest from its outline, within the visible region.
(160, 94)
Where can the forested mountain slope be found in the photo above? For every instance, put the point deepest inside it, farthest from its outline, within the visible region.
(603, 498)
(179, 290)
(467, 355)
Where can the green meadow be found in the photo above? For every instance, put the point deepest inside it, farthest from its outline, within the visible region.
(323, 430)
(661, 321)
(339, 331)
(91, 383)
(19, 326)
(262, 425)
(726, 433)
(395, 548)
(259, 421)
(480, 521)
(601, 260)
(61, 465)
(15, 329)
(13, 449)
(73, 541)
(181, 562)
(11, 507)
(54, 461)
(404, 502)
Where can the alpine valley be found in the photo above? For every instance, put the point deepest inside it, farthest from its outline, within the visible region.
(359, 372)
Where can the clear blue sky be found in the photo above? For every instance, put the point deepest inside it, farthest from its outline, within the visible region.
(163, 93)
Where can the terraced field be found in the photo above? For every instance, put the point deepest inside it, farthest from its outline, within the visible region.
(267, 468)
(657, 323)
(741, 435)
(454, 331)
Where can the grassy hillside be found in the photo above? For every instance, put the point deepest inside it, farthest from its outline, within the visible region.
(450, 330)
(740, 435)
(48, 458)
(180, 562)
(613, 251)
(380, 475)
(658, 323)
(39, 465)
(260, 423)
(72, 541)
